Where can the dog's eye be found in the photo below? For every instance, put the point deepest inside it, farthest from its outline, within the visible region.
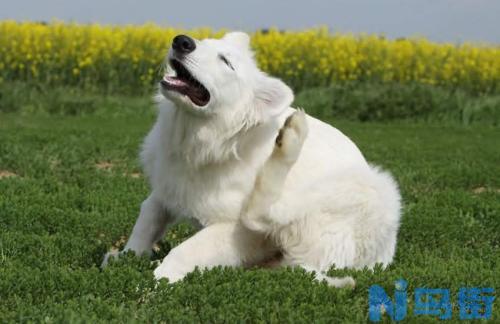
(226, 61)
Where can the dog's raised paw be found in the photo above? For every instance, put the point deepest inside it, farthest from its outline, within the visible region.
(291, 136)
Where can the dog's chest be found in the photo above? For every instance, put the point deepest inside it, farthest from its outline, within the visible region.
(210, 195)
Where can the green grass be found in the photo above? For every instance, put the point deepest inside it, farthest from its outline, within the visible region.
(73, 189)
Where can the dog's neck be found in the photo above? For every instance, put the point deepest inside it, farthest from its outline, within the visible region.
(200, 141)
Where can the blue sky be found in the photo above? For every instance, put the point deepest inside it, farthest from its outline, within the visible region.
(439, 20)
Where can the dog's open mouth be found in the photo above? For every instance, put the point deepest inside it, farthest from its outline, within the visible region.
(184, 82)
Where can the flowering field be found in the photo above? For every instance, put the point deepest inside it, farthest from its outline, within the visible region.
(130, 57)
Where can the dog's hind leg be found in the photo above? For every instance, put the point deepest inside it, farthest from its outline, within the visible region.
(260, 213)
(271, 178)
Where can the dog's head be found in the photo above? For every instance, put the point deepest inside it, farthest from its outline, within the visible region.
(211, 76)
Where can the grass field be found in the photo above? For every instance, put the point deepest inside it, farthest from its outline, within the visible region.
(71, 186)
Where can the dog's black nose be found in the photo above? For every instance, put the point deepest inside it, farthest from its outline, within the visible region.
(183, 44)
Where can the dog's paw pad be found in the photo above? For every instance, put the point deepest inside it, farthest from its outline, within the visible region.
(292, 135)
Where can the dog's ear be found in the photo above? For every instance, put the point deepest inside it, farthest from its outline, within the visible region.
(239, 39)
(271, 97)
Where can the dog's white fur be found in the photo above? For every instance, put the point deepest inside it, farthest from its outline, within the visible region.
(311, 195)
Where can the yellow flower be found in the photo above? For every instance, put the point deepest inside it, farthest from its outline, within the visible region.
(130, 55)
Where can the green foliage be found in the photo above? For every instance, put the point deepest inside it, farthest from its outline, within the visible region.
(354, 101)
(70, 188)
(27, 99)
(396, 101)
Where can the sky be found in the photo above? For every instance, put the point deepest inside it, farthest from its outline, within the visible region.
(439, 20)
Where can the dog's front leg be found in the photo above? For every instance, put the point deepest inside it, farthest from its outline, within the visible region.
(224, 244)
(148, 229)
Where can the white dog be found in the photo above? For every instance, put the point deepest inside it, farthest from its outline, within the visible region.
(229, 153)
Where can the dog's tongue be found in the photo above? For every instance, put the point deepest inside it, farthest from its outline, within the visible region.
(196, 94)
(174, 83)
